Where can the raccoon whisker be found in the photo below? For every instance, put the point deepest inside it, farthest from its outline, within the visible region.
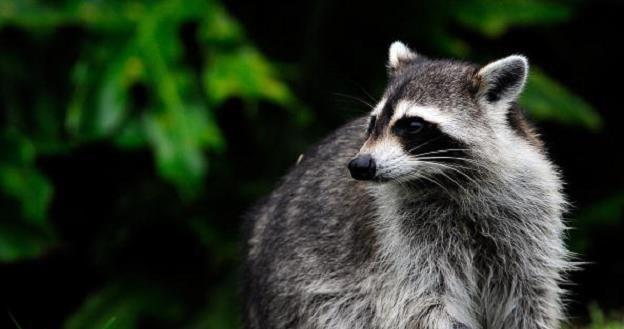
(400, 181)
(423, 144)
(404, 179)
(441, 151)
(359, 86)
(390, 163)
(371, 106)
(461, 167)
(449, 178)
(388, 170)
(425, 160)
(475, 162)
(452, 168)
(370, 97)
(434, 181)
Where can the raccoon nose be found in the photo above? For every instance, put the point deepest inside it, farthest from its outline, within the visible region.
(363, 167)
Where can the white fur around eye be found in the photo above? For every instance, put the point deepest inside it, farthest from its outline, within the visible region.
(427, 113)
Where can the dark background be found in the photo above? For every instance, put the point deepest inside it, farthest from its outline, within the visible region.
(135, 134)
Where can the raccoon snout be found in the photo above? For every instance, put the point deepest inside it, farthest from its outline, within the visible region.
(363, 167)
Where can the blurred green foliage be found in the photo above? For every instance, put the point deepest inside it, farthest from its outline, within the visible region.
(28, 234)
(137, 43)
(134, 48)
(600, 321)
(130, 45)
(548, 100)
(134, 44)
(493, 18)
(120, 305)
(602, 214)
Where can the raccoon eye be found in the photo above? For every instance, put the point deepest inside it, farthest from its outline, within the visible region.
(371, 125)
(410, 126)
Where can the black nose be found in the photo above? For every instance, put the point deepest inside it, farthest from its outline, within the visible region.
(362, 167)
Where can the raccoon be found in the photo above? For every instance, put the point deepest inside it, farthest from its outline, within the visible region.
(439, 210)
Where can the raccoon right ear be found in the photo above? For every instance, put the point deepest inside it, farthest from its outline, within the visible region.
(501, 82)
(399, 55)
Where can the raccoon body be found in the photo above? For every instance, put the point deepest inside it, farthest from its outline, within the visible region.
(439, 210)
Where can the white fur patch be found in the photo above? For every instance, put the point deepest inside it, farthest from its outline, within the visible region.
(377, 110)
(428, 113)
(385, 150)
(399, 52)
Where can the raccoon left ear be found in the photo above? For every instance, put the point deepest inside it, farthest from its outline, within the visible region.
(502, 81)
(398, 55)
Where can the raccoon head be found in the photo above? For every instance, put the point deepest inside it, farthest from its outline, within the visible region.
(443, 118)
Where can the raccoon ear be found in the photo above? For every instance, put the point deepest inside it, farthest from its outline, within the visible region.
(398, 55)
(502, 81)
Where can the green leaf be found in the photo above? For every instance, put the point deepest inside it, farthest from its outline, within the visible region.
(21, 180)
(24, 232)
(600, 321)
(95, 15)
(125, 71)
(547, 100)
(122, 306)
(27, 185)
(493, 18)
(218, 28)
(181, 128)
(22, 241)
(131, 135)
(138, 43)
(178, 137)
(244, 73)
(102, 81)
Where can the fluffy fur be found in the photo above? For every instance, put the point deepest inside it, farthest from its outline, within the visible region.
(470, 241)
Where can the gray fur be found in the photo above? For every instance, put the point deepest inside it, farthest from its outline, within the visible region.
(431, 248)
